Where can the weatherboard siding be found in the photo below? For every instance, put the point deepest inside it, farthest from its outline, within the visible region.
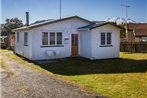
(67, 28)
(85, 44)
(89, 41)
(99, 52)
(20, 48)
(90, 45)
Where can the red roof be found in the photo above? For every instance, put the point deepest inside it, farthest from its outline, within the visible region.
(139, 28)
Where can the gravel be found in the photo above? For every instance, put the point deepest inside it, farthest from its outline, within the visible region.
(28, 83)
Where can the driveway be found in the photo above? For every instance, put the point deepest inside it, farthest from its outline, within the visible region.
(24, 82)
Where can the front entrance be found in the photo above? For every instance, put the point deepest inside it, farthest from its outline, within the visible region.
(74, 47)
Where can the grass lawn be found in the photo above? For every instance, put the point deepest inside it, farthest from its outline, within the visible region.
(3, 50)
(3, 63)
(116, 78)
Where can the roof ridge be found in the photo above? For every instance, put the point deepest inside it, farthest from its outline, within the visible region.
(49, 22)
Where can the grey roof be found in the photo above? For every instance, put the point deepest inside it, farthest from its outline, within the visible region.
(98, 24)
(93, 24)
(41, 21)
(47, 22)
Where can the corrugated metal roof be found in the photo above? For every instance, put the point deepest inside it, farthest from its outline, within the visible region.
(40, 21)
(98, 24)
(47, 22)
(93, 24)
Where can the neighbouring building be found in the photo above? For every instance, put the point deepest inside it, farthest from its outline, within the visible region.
(7, 40)
(3, 41)
(137, 32)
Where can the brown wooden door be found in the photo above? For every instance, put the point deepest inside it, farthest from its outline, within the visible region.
(74, 45)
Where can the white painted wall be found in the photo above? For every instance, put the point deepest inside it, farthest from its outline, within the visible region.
(89, 41)
(85, 44)
(68, 27)
(105, 52)
(25, 51)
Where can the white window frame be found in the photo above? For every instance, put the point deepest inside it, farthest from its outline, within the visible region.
(104, 38)
(50, 39)
(47, 38)
(55, 39)
(110, 38)
(106, 41)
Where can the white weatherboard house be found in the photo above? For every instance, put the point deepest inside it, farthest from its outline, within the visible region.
(68, 37)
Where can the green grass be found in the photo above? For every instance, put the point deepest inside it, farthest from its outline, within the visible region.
(2, 60)
(4, 65)
(23, 61)
(116, 78)
(3, 50)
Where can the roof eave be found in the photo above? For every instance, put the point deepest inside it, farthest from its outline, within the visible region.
(106, 24)
(54, 21)
(140, 35)
(85, 29)
(20, 29)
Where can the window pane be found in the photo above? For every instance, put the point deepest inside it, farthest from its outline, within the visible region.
(59, 38)
(25, 38)
(17, 36)
(73, 40)
(52, 38)
(45, 38)
(102, 38)
(108, 38)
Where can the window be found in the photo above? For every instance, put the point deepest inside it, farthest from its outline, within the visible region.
(44, 38)
(102, 38)
(106, 38)
(59, 38)
(109, 38)
(26, 38)
(52, 38)
(17, 36)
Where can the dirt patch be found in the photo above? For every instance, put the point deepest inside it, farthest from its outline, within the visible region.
(27, 83)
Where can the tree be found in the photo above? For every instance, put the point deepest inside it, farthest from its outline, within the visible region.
(6, 29)
(11, 24)
(122, 32)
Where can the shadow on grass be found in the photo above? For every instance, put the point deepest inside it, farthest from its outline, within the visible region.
(79, 66)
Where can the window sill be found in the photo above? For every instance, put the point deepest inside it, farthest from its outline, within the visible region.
(105, 45)
(25, 45)
(53, 46)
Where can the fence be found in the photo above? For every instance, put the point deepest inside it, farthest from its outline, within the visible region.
(133, 47)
